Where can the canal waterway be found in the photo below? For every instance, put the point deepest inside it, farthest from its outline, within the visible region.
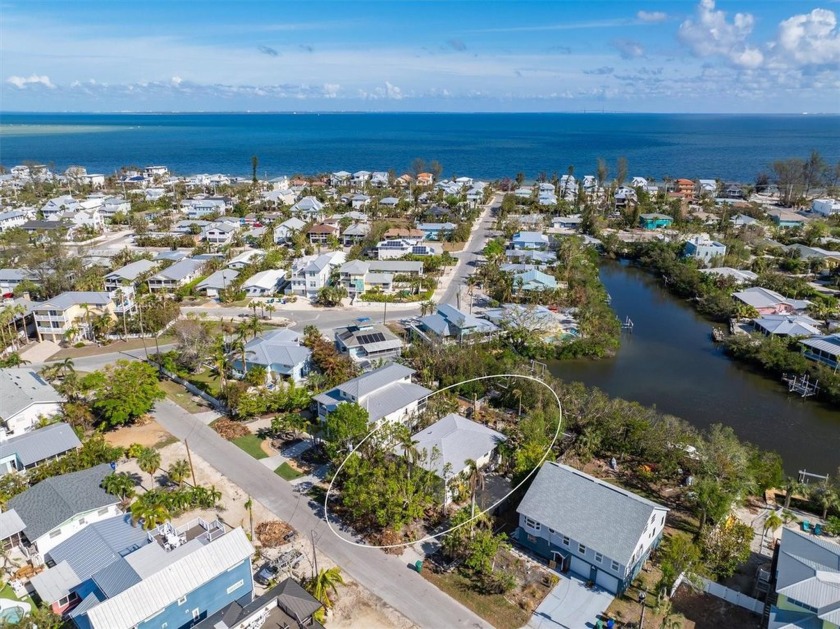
(669, 361)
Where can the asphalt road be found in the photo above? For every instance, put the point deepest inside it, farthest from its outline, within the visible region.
(387, 576)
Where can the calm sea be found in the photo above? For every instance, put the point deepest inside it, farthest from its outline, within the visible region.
(478, 145)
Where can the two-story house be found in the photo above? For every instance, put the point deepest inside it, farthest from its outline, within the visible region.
(450, 325)
(386, 393)
(806, 583)
(182, 272)
(128, 274)
(598, 531)
(401, 247)
(704, 249)
(312, 273)
(27, 398)
(365, 342)
(219, 233)
(58, 507)
(529, 240)
(308, 208)
(284, 231)
(15, 218)
(69, 316)
(279, 352)
(320, 234)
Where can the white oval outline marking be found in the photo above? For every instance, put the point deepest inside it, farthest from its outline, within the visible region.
(480, 513)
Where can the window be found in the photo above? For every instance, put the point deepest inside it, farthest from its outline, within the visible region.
(614, 565)
(55, 533)
(196, 613)
(551, 530)
(531, 524)
(582, 549)
(103, 511)
(565, 541)
(599, 557)
(236, 586)
(182, 600)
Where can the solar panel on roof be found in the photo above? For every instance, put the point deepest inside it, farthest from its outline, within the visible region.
(375, 337)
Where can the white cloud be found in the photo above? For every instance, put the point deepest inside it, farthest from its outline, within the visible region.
(712, 34)
(651, 16)
(392, 91)
(809, 39)
(331, 90)
(21, 82)
(628, 48)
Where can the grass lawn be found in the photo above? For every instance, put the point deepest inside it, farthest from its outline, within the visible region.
(287, 472)
(205, 381)
(251, 445)
(7, 592)
(180, 396)
(110, 348)
(494, 608)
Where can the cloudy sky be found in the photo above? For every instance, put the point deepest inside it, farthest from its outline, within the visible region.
(675, 56)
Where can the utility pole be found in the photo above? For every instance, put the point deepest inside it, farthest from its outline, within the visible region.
(189, 458)
(385, 312)
(314, 553)
(642, 597)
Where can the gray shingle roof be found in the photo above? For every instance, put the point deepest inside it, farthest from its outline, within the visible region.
(294, 599)
(20, 388)
(56, 500)
(279, 347)
(41, 444)
(180, 269)
(456, 439)
(98, 545)
(601, 516)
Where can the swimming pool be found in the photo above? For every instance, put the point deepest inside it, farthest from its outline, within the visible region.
(13, 611)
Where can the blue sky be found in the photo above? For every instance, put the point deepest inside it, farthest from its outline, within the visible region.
(699, 56)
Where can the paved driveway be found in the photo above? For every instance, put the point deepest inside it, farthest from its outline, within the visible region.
(570, 605)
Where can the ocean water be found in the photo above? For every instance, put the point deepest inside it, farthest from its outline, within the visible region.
(478, 145)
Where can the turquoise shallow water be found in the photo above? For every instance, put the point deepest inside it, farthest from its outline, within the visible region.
(479, 145)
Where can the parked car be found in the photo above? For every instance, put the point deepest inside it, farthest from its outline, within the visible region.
(289, 560)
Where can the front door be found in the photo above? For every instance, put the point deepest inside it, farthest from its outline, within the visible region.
(593, 573)
(562, 560)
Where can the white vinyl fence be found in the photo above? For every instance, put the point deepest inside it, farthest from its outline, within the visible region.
(721, 591)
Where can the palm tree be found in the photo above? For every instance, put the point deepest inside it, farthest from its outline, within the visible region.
(149, 462)
(120, 484)
(791, 487)
(773, 522)
(827, 498)
(178, 472)
(475, 479)
(323, 583)
(270, 308)
(152, 515)
(249, 505)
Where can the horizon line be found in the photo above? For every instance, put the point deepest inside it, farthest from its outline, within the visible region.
(413, 112)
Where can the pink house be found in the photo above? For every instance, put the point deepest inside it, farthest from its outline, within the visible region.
(768, 302)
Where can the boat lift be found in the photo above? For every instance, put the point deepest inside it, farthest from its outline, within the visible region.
(627, 325)
(801, 385)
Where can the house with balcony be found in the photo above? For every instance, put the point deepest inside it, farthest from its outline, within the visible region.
(69, 315)
(201, 208)
(15, 218)
(219, 233)
(450, 325)
(355, 233)
(684, 188)
(361, 276)
(169, 577)
(704, 249)
(360, 178)
(32, 448)
(60, 506)
(114, 205)
(308, 208)
(387, 393)
(312, 273)
(822, 349)
(365, 342)
(279, 352)
(584, 525)
(27, 398)
(128, 275)
(320, 234)
(173, 277)
(806, 583)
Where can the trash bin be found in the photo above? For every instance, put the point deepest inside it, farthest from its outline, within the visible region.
(418, 565)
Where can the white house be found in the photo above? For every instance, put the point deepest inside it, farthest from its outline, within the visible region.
(247, 257)
(386, 393)
(15, 218)
(401, 247)
(312, 273)
(216, 282)
(27, 398)
(308, 207)
(598, 531)
(128, 274)
(219, 233)
(704, 249)
(284, 231)
(58, 507)
(264, 283)
(279, 352)
(826, 207)
(180, 273)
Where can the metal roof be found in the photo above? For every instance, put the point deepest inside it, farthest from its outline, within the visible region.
(157, 591)
(55, 500)
(456, 439)
(601, 516)
(76, 298)
(180, 269)
(21, 388)
(219, 280)
(131, 271)
(38, 445)
(279, 347)
(55, 583)
(829, 344)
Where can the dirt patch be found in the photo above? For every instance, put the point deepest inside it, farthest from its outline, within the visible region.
(703, 611)
(110, 348)
(357, 608)
(147, 433)
(265, 446)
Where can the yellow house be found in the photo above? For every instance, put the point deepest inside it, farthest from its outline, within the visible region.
(69, 316)
(807, 583)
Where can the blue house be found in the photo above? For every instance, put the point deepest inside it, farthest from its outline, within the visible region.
(279, 352)
(598, 531)
(655, 220)
(120, 576)
(436, 231)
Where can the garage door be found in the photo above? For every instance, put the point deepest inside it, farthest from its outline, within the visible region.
(580, 567)
(609, 583)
